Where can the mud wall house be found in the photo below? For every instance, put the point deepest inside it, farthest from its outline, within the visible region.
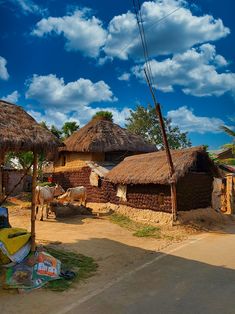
(10, 179)
(19, 132)
(143, 181)
(89, 153)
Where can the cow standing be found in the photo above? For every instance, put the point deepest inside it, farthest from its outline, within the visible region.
(45, 195)
(72, 194)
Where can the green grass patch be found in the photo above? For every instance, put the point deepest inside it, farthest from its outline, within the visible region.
(148, 232)
(83, 266)
(139, 229)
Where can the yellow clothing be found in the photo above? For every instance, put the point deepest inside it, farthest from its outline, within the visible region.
(13, 245)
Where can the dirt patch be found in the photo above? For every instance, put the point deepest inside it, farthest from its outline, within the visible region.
(205, 219)
(114, 248)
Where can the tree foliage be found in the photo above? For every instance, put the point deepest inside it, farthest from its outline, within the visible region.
(230, 132)
(69, 127)
(107, 115)
(21, 160)
(144, 121)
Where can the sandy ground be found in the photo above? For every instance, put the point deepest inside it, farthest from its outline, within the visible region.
(115, 250)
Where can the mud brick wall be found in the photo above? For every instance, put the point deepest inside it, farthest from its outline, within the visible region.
(151, 196)
(68, 179)
(194, 191)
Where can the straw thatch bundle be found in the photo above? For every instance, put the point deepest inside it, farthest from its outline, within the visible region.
(20, 132)
(153, 167)
(101, 135)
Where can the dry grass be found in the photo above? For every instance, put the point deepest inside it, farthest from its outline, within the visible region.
(20, 132)
(138, 169)
(96, 135)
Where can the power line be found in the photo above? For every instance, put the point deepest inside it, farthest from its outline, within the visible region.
(150, 26)
(148, 72)
(142, 36)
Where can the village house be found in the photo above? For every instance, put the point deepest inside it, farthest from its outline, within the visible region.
(89, 153)
(143, 181)
(19, 132)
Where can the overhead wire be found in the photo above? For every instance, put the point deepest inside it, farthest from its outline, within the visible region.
(150, 26)
(139, 18)
(146, 46)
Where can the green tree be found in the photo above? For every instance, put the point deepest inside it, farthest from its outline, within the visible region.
(69, 127)
(44, 125)
(57, 132)
(23, 160)
(107, 115)
(230, 132)
(144, 121)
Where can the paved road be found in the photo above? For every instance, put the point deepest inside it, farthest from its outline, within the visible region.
(196, 278)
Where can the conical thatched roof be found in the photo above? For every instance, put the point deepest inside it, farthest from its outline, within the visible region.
(20, 132)
(153, 167)
(101, 135)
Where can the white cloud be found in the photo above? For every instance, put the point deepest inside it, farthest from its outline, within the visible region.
(3, 69)
(196, 71)
(178, 32)
(81, 116)
(52, 117)
(62, 102)
(124, 77)
(52, 91)
(82, 32)
(28, 6)
(13, 97)
(189, 122)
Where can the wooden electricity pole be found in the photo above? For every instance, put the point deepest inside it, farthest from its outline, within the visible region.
(33, 206)
(168, 153)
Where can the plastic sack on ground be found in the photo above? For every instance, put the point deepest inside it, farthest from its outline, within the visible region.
(19, 276)
(4, 219)
(47, 267)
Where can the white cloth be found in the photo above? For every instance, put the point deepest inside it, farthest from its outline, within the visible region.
(121, 192)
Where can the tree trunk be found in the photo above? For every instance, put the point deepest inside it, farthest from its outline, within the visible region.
(33, 207)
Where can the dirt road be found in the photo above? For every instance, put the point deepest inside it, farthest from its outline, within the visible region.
(122, 260)
(195, 277)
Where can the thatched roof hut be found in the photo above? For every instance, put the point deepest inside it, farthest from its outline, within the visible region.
(143, 181)
(20, 132)
(101, 135)
(153, 168)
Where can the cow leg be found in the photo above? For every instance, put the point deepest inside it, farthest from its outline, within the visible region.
(47, 211)
(84, 199)
(42, 210)
(36, 213)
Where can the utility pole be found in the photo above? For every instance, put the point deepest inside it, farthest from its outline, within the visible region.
(168, 153)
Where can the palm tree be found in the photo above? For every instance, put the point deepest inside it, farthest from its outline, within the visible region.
(231, 133)
(228, 131)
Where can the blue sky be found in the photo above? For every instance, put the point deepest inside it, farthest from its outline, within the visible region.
(64, 60)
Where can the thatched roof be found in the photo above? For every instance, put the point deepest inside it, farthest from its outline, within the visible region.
(20, 132)
(153, 167)
(101, 135)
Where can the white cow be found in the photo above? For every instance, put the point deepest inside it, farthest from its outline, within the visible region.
(45, 195)
(78, 193)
